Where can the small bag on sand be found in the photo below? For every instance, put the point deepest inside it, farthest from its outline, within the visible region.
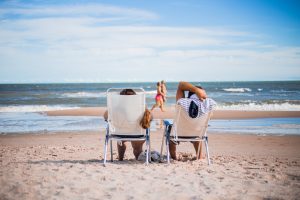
(155, 156)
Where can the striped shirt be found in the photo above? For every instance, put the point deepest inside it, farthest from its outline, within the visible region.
(204, 106)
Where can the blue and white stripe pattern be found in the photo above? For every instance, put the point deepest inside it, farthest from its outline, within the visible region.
(204, 106)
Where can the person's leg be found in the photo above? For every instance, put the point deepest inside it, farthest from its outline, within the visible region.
(161, 123)
(121, 150)
(162, 105)
(196, 145)
(155, 105)
(137, 148)
(172, 149)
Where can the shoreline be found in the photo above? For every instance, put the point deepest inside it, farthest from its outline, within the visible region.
(83, 132)
(169, 113)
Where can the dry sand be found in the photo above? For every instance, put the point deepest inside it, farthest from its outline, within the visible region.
(69, 166)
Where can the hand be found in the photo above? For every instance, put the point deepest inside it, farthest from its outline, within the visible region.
(201, 94)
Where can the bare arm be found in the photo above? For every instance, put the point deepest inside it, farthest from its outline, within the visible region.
(164, 89)
(185, 86)
(159, 91)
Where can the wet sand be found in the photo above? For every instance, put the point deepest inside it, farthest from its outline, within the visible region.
(218, 114)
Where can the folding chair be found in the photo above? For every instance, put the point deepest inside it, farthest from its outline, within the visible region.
(186, 129)
(124, 115)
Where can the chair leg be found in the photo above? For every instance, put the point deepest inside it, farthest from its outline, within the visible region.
(147, 151)
(168, 150)
(111, 152)
(105, 149)
(198, 151)
(207, 152)
(162, 147)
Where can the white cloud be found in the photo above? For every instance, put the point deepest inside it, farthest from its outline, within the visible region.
(96, 10)
(82, 43)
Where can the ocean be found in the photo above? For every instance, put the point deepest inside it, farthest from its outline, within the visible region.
(21, 105)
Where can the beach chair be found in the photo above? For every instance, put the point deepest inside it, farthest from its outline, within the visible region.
(186, 129)
(124, 115)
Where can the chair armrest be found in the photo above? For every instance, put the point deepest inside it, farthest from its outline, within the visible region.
(168, 122)
(168, 126)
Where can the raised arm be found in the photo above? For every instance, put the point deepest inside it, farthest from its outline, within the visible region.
(185, 86)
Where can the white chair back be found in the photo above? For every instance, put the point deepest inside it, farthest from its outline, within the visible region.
(186, 126)
(125, 112)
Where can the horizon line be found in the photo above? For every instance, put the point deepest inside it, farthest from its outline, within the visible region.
(192, 81)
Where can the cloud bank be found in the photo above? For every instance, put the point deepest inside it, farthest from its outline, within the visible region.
(99, 43)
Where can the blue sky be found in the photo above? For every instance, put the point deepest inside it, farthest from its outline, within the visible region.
(139, 40)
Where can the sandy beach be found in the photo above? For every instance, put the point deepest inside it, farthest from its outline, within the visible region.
(63, 63)
(169, 113)
(69, 166)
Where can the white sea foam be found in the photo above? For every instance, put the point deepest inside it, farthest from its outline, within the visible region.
(262, 107)
(237, 89)
(150, 92)
(94, 94)
(31, 108)
(262, 127)
(84, 94)
(19, 122)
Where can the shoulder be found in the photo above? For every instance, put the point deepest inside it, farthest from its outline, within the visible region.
(183, 101)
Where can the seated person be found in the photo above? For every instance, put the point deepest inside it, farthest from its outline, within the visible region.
(145, 123)
(196, 94)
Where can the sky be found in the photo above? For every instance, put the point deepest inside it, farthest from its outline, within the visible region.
(60, 41)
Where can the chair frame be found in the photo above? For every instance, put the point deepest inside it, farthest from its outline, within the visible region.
(110, 137)
(168, 138)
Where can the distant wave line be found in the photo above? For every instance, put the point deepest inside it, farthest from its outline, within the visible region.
(34, 108)
(237, 89)
(285, 106)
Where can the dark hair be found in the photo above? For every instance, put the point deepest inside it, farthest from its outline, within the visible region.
(158, 83)
(127, 92)
(191, 93)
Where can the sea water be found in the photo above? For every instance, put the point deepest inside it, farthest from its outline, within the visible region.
(21, 105)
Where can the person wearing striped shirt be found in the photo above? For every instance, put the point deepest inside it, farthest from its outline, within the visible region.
(198, 95)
